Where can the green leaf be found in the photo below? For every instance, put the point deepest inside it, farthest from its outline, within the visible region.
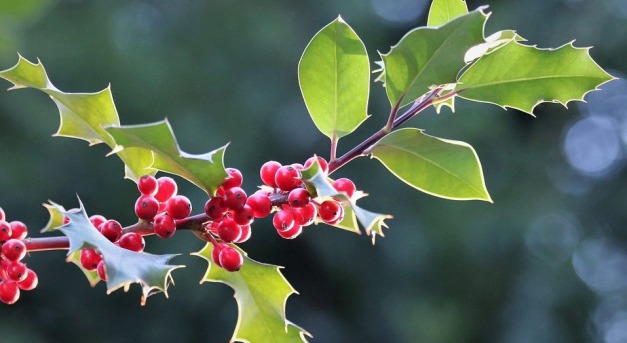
(261, 292)
(157, 139)
(82, 115)
(429, 56)
(493, 42)
(440, 167)
(124, 267)
(521, 76)
(334, 77)
(443, 11)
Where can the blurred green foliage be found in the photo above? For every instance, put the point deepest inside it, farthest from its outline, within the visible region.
(544, 263)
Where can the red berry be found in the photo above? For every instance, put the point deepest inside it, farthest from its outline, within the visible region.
(234, 198)
(291, 233)
(260, 204)
(9, 292)
(90, 259)
(166, 188)
(146, 207)
(111, 229)
(147, 185)
(102, 270)
(283, 220)
(97, 219)
(245, 235)
(18, 229)
(330, 211)
(14, 250)
(215, 254)
(132, 241)
(324, 166)
(215, 208)
(2, 215)
(298, 197)
(304, 215)
(30, 282)
(16, 271)
(164, 226)
(230, 259)
(233, 180)
(344, 185)
(268, 172)
(5, 230)
(287, 178)
(244, 216)
(179, 207)
(229, 230)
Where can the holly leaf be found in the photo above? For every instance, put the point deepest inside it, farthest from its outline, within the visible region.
(428, 56)
(124, 267)
(261, 292)
(206, 171)
(440, 167)
(334, 78)
(443, 11)
(522, 76)
(82, 115)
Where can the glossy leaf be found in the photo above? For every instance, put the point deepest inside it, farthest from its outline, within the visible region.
(443, 11)
(429, 56)
(205, 170)
(521, 76)
(334, 77)
(440, 167)
(261, 292)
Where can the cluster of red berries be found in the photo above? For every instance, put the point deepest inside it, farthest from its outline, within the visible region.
(14, 274)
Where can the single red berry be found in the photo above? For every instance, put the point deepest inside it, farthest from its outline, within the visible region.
(30, 282)
(16, 271)
(14, 250)
(268, 172)
(2, 214)
(147, 185)
(230, 259)
(102, 270)
(234, 179)
(9, 292)
(164, 226)
(90, 259)
(344, 185)
(291, 233)
(298, 166)
(234, 198)
(97, 219)
(305, 215)
(5, 230)
(260, 204)
(324, 166)
(18, 229)
(287, 178)
(215, 254)
(229, 230)
(215, 208)
(330, 211)
(179, 207)
(146, 207)
(213, 227)
(298, 197)
(132, 241)
(166, 188)
(339, 218)
(244, 215)
(245, 235)
(111, 229)
(283, 220)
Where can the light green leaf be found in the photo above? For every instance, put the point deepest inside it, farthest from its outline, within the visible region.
(521, 76)
(334, 77)
(124, 267)
(440, 167)
(429, 56)
(261, 292)
(205, 170)
(82, 115)
(443, 11)
(493, 42)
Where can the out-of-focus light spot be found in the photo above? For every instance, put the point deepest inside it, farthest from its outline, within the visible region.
(568, 181)
(399, 11)
(553, 237)
(601, 265)
(610, 320)
(593, 147)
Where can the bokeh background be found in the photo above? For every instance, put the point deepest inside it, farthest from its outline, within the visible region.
(545, 263)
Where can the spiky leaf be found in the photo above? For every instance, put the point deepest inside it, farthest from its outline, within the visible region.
(205, 170)
(443, 11)
(334, 77)
(429, 56)
(261, 292)
(440, 167)
(521, 76)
